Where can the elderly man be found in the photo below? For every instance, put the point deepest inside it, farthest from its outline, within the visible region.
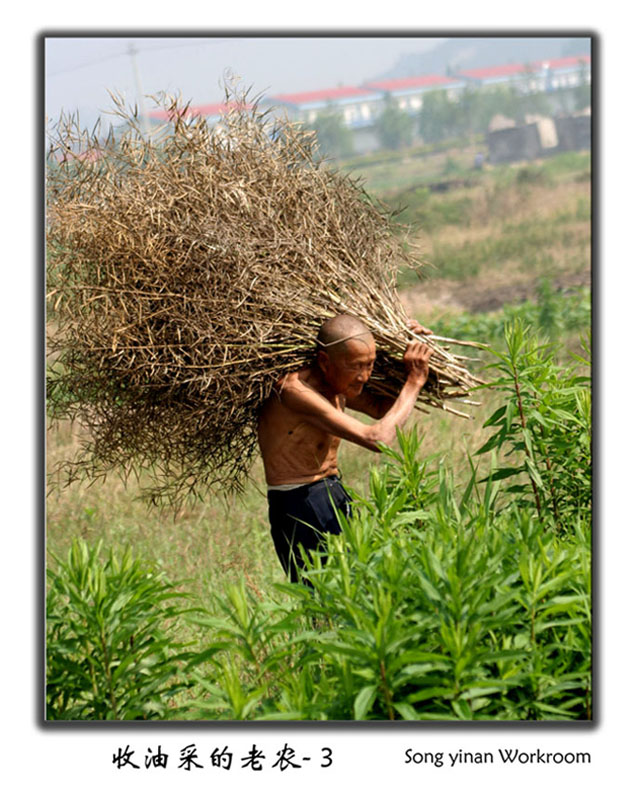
(302, 423)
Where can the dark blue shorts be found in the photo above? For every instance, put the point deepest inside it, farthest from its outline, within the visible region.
(302, 516)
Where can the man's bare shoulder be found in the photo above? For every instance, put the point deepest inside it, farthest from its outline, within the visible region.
(300, 391)
(295, 379)
(302, 384)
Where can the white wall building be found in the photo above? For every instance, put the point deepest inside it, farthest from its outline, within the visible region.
(540, 76)
(409, 92)
(360, 106)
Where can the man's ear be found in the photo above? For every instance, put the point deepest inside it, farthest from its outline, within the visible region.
(324, 361)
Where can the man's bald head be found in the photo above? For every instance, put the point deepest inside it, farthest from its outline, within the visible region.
(335, 332)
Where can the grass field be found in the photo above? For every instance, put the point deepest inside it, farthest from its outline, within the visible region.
(514, 241)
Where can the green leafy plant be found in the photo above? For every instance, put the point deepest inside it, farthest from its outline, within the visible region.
(111, 652)
(434, 603)
(545, 427)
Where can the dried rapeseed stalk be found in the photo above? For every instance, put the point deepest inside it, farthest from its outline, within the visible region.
(188, 271)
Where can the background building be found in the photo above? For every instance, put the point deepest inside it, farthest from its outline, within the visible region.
(558, 86)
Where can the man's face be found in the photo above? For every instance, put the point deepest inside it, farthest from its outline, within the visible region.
(347, 371)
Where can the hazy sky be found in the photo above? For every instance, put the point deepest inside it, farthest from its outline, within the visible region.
(80, 71)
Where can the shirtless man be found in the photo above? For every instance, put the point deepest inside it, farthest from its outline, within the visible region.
(302, 423)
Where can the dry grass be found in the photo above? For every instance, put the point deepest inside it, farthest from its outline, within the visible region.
(486, 220)
(220, 539)
(188, 272)
(210, 542)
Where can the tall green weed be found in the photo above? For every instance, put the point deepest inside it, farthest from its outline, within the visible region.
(111, 653)
(544, 428)
(448, 611)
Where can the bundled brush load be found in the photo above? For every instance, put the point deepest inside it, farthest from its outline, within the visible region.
(189, 270)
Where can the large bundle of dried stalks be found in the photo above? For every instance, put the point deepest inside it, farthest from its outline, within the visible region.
(188, 271)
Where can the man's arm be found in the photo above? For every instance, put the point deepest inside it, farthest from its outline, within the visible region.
(376, 406)
(318, 411)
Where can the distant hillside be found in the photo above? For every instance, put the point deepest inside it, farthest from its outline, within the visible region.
(473, 53)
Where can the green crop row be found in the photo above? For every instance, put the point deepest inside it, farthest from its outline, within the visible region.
(551, 314)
